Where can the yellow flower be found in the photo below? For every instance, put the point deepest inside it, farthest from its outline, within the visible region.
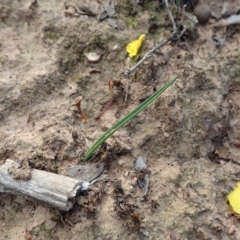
(234, 198)
(133, 47)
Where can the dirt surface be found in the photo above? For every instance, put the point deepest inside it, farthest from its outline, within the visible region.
(188, 136)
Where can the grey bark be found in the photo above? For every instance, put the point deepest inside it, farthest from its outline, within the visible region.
(55, 190)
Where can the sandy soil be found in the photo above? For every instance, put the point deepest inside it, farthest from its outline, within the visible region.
(43, 69)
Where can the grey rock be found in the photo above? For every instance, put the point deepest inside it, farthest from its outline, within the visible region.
(85, 173)
(103, 15)
(140, 163)
(146, 233)
(78, 151)
(202, 12)
(110, 8)
(112, 22)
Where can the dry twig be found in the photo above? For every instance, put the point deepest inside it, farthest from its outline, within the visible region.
(171, 16)
(108, 105)
(77, 103)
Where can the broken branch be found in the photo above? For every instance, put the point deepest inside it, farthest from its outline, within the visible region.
(55, 190)
(171, 16)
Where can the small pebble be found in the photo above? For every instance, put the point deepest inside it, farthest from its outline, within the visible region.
(202, 12)
(236, 143)
(93, 56)
(140, 163)
(112, 23)
(78, 151)
(146, 233)
(115, 47)
(131, 189)
(103, 15)
(166, 134)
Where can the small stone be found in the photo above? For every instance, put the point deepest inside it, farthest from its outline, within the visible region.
(236, 143)
(112, 23)
(110, 8)
(74, 135)
(78, 151)
(140, 163)
(115, 47)
(146, 233)
(120, 26)
(202, 12)
(75, 217)
(93, 57)
(85, 173)
(103, 15)
(166, 134)
(88, 143)
(140, 183)
(131, 189)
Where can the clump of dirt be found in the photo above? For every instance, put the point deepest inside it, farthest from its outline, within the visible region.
(23, 172)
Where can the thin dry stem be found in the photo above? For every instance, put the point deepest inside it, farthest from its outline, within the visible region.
(77, 103)
(171, 16)
(84, 116)
(108, 105)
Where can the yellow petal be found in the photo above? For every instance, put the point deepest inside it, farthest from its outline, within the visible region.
(234, 198)
(133, 47)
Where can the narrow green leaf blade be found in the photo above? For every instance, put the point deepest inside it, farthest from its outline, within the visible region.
(126, 119)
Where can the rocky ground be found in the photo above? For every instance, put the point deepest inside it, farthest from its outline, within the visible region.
(188, 136)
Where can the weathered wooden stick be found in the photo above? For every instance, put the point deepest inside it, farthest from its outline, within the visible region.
(55, 190)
